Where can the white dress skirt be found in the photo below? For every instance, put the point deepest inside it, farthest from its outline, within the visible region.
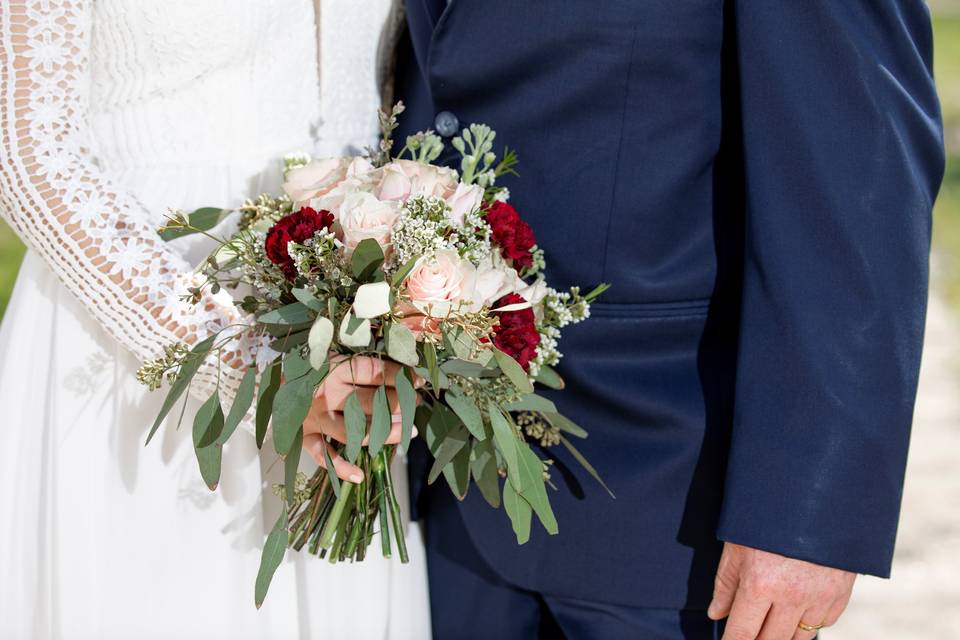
(103, 538)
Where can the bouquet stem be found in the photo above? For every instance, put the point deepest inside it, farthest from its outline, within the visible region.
(342, 527)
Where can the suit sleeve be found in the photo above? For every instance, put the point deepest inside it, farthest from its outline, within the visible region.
(843, 156)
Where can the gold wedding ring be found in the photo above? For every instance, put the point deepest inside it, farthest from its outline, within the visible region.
(810, 627)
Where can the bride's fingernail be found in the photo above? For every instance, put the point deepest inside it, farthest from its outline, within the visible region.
(356, 478)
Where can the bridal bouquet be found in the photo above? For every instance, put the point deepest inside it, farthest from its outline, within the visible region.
(399, 259)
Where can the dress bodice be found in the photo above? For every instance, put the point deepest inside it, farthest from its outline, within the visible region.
(221, 81)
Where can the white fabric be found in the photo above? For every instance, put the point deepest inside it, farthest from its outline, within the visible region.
(110, 112)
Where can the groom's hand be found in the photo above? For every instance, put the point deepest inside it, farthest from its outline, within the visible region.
(361, 375)
(767, 596)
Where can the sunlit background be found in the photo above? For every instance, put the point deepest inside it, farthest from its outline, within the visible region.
(923, 600)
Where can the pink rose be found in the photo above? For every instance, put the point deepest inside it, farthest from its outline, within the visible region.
(403, 179)
(443, 282)
(363, 216)
(464, 199)
(316, 178)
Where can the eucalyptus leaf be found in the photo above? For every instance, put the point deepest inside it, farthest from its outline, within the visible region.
(207, 427)
(402, 345)
(379, 421)
(202, 219)
(585, 464)
(292, 314)
(457, 473)
(321, 335)
(271, 557)
(356, 425)
(354, 332)
(331, 470)
(403, 271)
(483, 467)
(430, 356)
(290, 408)
(372, 300)
(447, 447)
(309, 300)
(210, 459)
(366, 259)
(532, 402)
(269, 383)
(467, 410)
(512, 369)
(241, 404)
(291, 463)
(295, 366)
(208, 421)
(290, 340)
(507, 442)
(564, 423)
(424, 373)
(457, 367)
(407, 398)
(519, 511)
(534, 487)
(187, 370)
(549, 377)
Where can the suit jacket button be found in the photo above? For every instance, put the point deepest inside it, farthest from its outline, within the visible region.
(446, 124)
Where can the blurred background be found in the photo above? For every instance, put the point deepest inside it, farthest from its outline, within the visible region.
(922, 601)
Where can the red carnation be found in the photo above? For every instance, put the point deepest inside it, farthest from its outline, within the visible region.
(511, 234)
(517, 334)
(297, 227)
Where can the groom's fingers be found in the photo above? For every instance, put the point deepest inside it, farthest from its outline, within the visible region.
(746, 616)
(724, 587)
(315, 443)
(781, 622)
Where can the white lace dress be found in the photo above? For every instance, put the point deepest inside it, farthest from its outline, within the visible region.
(110, 112)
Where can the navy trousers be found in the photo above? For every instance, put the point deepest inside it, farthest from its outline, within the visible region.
(469, 600)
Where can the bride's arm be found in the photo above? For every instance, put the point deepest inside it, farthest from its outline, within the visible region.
(101, 243)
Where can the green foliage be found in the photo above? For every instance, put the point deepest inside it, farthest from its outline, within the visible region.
(407, 397)
(273, 551)
(182, 382)
(203, 219)
(946, 218)
(11, 253)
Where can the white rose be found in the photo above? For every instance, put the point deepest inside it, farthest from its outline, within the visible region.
(464, 199)
(534, 292)
(495, 280)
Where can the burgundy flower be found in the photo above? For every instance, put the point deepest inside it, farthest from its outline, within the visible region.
(297, 227)
(517, 334)
(513, 235)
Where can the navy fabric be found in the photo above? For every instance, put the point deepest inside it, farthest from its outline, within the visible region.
(756, 181)
(470, 600)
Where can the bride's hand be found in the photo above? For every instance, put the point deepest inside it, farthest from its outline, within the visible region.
(363, 375)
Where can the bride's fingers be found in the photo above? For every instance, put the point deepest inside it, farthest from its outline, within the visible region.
(336, 398)
(364, 371)
(315, 443)
(326, 422)
(396, 431)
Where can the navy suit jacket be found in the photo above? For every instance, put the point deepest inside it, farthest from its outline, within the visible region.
(756, 181)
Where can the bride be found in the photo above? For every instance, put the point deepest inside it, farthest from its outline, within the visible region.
(111, 111)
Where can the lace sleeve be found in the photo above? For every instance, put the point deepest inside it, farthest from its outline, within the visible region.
(101, 243)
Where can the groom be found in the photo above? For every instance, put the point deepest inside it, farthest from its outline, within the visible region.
(755, 179)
